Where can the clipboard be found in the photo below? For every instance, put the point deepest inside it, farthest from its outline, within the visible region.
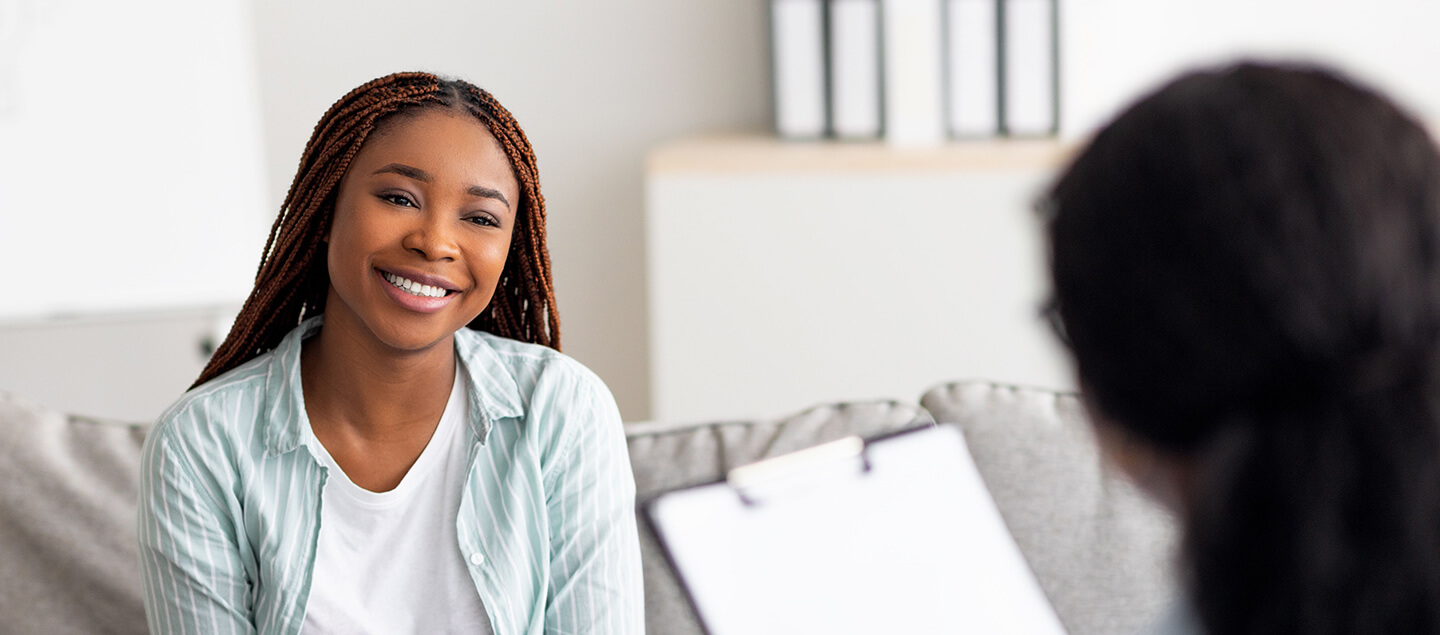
(897, 534)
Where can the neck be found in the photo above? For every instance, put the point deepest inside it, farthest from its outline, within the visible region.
(359, 385)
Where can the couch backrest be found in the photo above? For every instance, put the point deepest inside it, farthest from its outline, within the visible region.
(1101, 551)
(68, 559)
(666, 456)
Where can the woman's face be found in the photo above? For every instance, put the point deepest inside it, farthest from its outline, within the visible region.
(422, 225)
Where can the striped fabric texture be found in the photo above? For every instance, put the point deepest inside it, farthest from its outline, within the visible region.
(230, 498)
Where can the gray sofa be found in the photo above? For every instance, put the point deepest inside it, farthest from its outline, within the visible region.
(68, 562)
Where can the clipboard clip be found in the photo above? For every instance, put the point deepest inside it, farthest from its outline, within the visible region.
(748, 477)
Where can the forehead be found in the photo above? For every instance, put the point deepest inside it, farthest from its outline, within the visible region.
(450, 145)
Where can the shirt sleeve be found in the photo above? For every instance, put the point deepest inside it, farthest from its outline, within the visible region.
(595, 582)
(192, 571)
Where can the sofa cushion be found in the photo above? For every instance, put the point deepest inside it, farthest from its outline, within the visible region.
(667, 456)
(1101, 551)
(68, 558)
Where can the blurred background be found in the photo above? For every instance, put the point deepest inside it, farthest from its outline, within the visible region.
(145, 147)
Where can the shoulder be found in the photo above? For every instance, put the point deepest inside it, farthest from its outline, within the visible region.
(569, 411)
(538, 371)
(218, 413)
(524, 356)
(557, 399)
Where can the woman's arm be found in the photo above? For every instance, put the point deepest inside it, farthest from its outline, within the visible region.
(193, 574)
(595, 584)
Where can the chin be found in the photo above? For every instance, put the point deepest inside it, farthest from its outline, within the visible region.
(414, 338)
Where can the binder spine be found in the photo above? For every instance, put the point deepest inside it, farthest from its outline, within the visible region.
(1055, 67)
(915, 72)
(913, 76)
(798, 52)
(972, 68)
(1029, 68)
(854, 47)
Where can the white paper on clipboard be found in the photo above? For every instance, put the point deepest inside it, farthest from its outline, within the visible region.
(900, 537)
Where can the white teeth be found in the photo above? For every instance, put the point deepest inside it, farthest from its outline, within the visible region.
(414, 288)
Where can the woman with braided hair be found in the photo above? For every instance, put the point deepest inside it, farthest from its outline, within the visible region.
(1247, 271)
(389, 440)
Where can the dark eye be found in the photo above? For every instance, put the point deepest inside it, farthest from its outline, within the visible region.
(483, 220)
(398, 199)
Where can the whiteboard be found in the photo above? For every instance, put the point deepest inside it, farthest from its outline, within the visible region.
(131, 173)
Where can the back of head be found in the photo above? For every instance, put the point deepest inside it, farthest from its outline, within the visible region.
(1247, 269)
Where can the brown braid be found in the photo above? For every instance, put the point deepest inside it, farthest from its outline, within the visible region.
(292, 280)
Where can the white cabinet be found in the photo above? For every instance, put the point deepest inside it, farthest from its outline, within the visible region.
(783, 275)
(121, 365)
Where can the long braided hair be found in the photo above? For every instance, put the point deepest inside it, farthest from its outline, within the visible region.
(292, 280)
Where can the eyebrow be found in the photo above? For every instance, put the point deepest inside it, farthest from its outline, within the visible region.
(423, 176)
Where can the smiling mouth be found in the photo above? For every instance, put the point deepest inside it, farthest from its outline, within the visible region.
(415, 288)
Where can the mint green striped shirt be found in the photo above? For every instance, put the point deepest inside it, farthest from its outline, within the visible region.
(230, 498)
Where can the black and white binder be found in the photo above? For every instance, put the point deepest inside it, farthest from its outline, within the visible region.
(855, 106)
(913, 74)
(972, 64)
(897, 535)
(1030, 62)
(797, 33)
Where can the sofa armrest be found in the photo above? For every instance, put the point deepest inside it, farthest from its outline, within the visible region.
(67, 522)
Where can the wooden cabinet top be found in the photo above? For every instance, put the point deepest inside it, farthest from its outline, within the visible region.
(765, 154)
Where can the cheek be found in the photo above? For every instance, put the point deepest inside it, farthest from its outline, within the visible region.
(489, 265)
(494, 255)
(346, 248)
(337, 247)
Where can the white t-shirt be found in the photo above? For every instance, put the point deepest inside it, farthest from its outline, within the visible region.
(390, 562)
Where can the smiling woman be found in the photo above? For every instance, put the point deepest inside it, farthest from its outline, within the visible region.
(416, 455)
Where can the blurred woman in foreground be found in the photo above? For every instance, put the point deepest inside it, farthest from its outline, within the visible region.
(1247, 269)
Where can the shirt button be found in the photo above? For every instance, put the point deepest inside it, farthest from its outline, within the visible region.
(476, 558)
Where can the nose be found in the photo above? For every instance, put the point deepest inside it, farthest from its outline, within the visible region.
(432, 237)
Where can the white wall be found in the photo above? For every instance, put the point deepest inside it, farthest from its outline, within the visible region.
(1112, 50)
(596, 84)
(130, 175)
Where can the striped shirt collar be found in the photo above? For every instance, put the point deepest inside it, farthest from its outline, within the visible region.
(493, 393)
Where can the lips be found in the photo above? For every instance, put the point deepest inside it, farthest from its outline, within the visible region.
(418, 292)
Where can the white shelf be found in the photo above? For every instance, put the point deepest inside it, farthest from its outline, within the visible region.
(760, 153)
